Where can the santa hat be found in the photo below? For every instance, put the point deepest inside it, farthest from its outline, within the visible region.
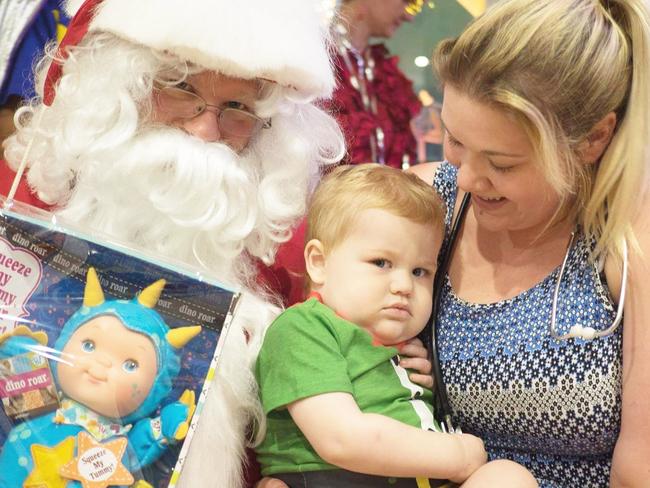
(284, 41)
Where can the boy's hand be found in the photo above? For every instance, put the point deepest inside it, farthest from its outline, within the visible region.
(417, 360)
(474, 456)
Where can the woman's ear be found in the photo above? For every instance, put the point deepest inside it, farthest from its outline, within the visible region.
(594, 145)
(315, 261)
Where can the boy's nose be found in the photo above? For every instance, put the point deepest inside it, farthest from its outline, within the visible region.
(401, 283)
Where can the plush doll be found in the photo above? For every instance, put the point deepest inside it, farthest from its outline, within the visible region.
(115, 361)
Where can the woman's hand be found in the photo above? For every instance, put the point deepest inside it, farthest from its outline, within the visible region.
(416, 359)
(270, 483)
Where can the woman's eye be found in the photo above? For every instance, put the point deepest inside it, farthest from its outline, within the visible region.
(381, 263)
(87, 345)
(452, 140)
(130, 365)
(501, 169)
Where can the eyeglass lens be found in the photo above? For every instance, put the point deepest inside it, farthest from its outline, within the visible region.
(187, 105)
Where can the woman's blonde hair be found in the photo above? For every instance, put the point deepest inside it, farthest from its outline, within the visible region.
(560, 66)
(349, 190)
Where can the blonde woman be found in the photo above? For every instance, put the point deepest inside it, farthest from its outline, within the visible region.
(547, 115)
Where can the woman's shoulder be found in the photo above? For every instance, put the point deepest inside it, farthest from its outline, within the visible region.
(427, 171)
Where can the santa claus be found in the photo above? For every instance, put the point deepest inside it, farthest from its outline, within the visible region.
(189, 129)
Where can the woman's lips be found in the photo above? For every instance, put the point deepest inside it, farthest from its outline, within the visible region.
(488, 203)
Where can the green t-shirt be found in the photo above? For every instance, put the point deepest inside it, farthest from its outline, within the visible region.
(309, 350)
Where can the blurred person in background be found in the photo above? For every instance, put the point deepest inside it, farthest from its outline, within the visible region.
(374, 101)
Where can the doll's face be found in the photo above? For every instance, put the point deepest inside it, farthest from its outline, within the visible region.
(107, 367)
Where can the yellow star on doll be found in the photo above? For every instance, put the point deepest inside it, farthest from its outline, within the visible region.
(98, 465)
(47, 461)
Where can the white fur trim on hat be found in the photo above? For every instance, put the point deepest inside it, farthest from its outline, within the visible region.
(285, 41)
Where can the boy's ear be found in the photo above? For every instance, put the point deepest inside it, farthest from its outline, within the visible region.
(599, 137)
(315, 261)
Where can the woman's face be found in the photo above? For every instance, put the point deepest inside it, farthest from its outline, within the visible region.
(219, 92)
(385, 16)
(496, 163)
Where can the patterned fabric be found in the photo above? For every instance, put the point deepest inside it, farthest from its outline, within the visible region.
(553, 406)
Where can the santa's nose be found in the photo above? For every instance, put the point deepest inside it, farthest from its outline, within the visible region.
(204, 126)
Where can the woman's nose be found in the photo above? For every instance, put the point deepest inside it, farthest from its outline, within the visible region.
(471, 175)
(204, 126)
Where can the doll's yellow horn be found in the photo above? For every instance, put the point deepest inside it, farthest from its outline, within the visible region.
(150, 295)
(93, 294)
(182, 335)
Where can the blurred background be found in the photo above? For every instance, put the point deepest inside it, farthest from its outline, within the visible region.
(413, 43)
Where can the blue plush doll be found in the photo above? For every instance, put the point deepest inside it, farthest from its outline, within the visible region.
(116, 362)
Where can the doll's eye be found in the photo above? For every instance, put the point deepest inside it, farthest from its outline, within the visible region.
(88, 346)
(130, 366)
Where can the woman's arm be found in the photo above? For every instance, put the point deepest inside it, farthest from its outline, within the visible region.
(631, 461)
(374, 444)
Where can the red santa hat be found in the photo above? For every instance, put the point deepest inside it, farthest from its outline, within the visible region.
(280, 40)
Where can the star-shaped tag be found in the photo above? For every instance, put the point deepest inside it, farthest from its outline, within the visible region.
(47, 461)
(98, 465)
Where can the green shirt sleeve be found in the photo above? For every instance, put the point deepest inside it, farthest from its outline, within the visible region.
(300, 357)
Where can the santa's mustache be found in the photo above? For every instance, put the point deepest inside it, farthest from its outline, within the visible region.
(170, 193)
(181, 178)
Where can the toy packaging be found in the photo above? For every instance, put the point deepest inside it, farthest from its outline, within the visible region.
(105, 358)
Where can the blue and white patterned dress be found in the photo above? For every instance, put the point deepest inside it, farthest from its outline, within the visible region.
(553, 406)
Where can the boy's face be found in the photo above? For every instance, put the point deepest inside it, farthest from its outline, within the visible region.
(380, 276)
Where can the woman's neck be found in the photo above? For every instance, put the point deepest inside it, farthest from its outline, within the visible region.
(520, 245)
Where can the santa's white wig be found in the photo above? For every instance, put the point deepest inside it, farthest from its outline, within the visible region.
(95, 140)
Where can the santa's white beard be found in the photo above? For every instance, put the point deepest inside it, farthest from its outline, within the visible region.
(167, 192)
(173, 194)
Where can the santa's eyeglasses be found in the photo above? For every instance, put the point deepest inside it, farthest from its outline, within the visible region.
(184, 104)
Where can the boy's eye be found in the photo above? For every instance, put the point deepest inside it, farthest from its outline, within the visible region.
(381, 263)
(130, 366)
(419, 272)
(88, 345)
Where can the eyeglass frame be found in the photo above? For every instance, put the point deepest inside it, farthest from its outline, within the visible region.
(266, 123)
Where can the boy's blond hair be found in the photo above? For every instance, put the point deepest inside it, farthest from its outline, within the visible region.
(560, 66)
(348, 190)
